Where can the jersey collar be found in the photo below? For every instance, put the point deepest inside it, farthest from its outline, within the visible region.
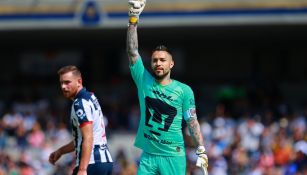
(80, 93)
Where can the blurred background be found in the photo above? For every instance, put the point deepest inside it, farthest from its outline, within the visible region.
(244, 59)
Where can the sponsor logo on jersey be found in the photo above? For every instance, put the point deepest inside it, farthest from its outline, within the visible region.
(80, 113)
(162, 95)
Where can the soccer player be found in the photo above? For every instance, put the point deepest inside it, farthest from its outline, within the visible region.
(88, 129)
(164, 103)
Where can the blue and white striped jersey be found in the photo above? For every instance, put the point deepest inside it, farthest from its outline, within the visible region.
(85, 110)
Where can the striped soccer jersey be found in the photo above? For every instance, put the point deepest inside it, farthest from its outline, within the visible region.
(86, 109)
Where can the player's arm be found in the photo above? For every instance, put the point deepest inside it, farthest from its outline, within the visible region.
(132, 44)
(56, 155)
(194, 129)
(135, 9)
(87, 146)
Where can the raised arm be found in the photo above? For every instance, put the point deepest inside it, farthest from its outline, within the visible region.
(135, 9)
(132, 43)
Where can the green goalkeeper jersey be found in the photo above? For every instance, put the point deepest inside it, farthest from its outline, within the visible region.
(162, 110)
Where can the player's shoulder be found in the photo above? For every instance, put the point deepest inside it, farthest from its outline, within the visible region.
(182, 85)
(81, 96)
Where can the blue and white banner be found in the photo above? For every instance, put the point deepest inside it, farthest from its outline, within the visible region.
(24, 14)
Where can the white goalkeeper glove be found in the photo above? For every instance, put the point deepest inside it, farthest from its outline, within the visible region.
(135, 9)
(202, 159)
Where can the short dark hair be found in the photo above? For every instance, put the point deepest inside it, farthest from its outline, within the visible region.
(70, 68)
(162, 47)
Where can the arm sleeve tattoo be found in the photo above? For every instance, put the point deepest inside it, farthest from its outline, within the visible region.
(132, 43)
(194, 129)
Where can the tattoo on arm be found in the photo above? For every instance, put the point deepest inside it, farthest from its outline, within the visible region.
(132, 44)
(195, 131)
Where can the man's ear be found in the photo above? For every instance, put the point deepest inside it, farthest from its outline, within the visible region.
(172, 64)
(80, 81)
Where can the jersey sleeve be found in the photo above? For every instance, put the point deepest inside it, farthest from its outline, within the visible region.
(188, 109)
(137, 71)
(83, 112)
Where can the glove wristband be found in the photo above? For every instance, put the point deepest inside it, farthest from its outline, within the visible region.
(201, 148)
(133, 20)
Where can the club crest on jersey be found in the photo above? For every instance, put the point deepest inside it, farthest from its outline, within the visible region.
(80, 113)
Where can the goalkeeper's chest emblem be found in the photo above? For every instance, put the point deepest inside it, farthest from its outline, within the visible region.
(161, 94)
(178, 149)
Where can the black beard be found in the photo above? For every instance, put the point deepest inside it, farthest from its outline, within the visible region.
(160, 77)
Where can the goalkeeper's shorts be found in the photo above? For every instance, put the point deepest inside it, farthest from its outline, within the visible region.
(152, 164)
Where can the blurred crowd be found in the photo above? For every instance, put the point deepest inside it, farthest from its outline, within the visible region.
(29, 132)
(240, 139)
(253, 144)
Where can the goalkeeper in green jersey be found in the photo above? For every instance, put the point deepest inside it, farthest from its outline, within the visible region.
(164, 103)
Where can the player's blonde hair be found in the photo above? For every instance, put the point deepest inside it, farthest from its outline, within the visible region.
(70, 68)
